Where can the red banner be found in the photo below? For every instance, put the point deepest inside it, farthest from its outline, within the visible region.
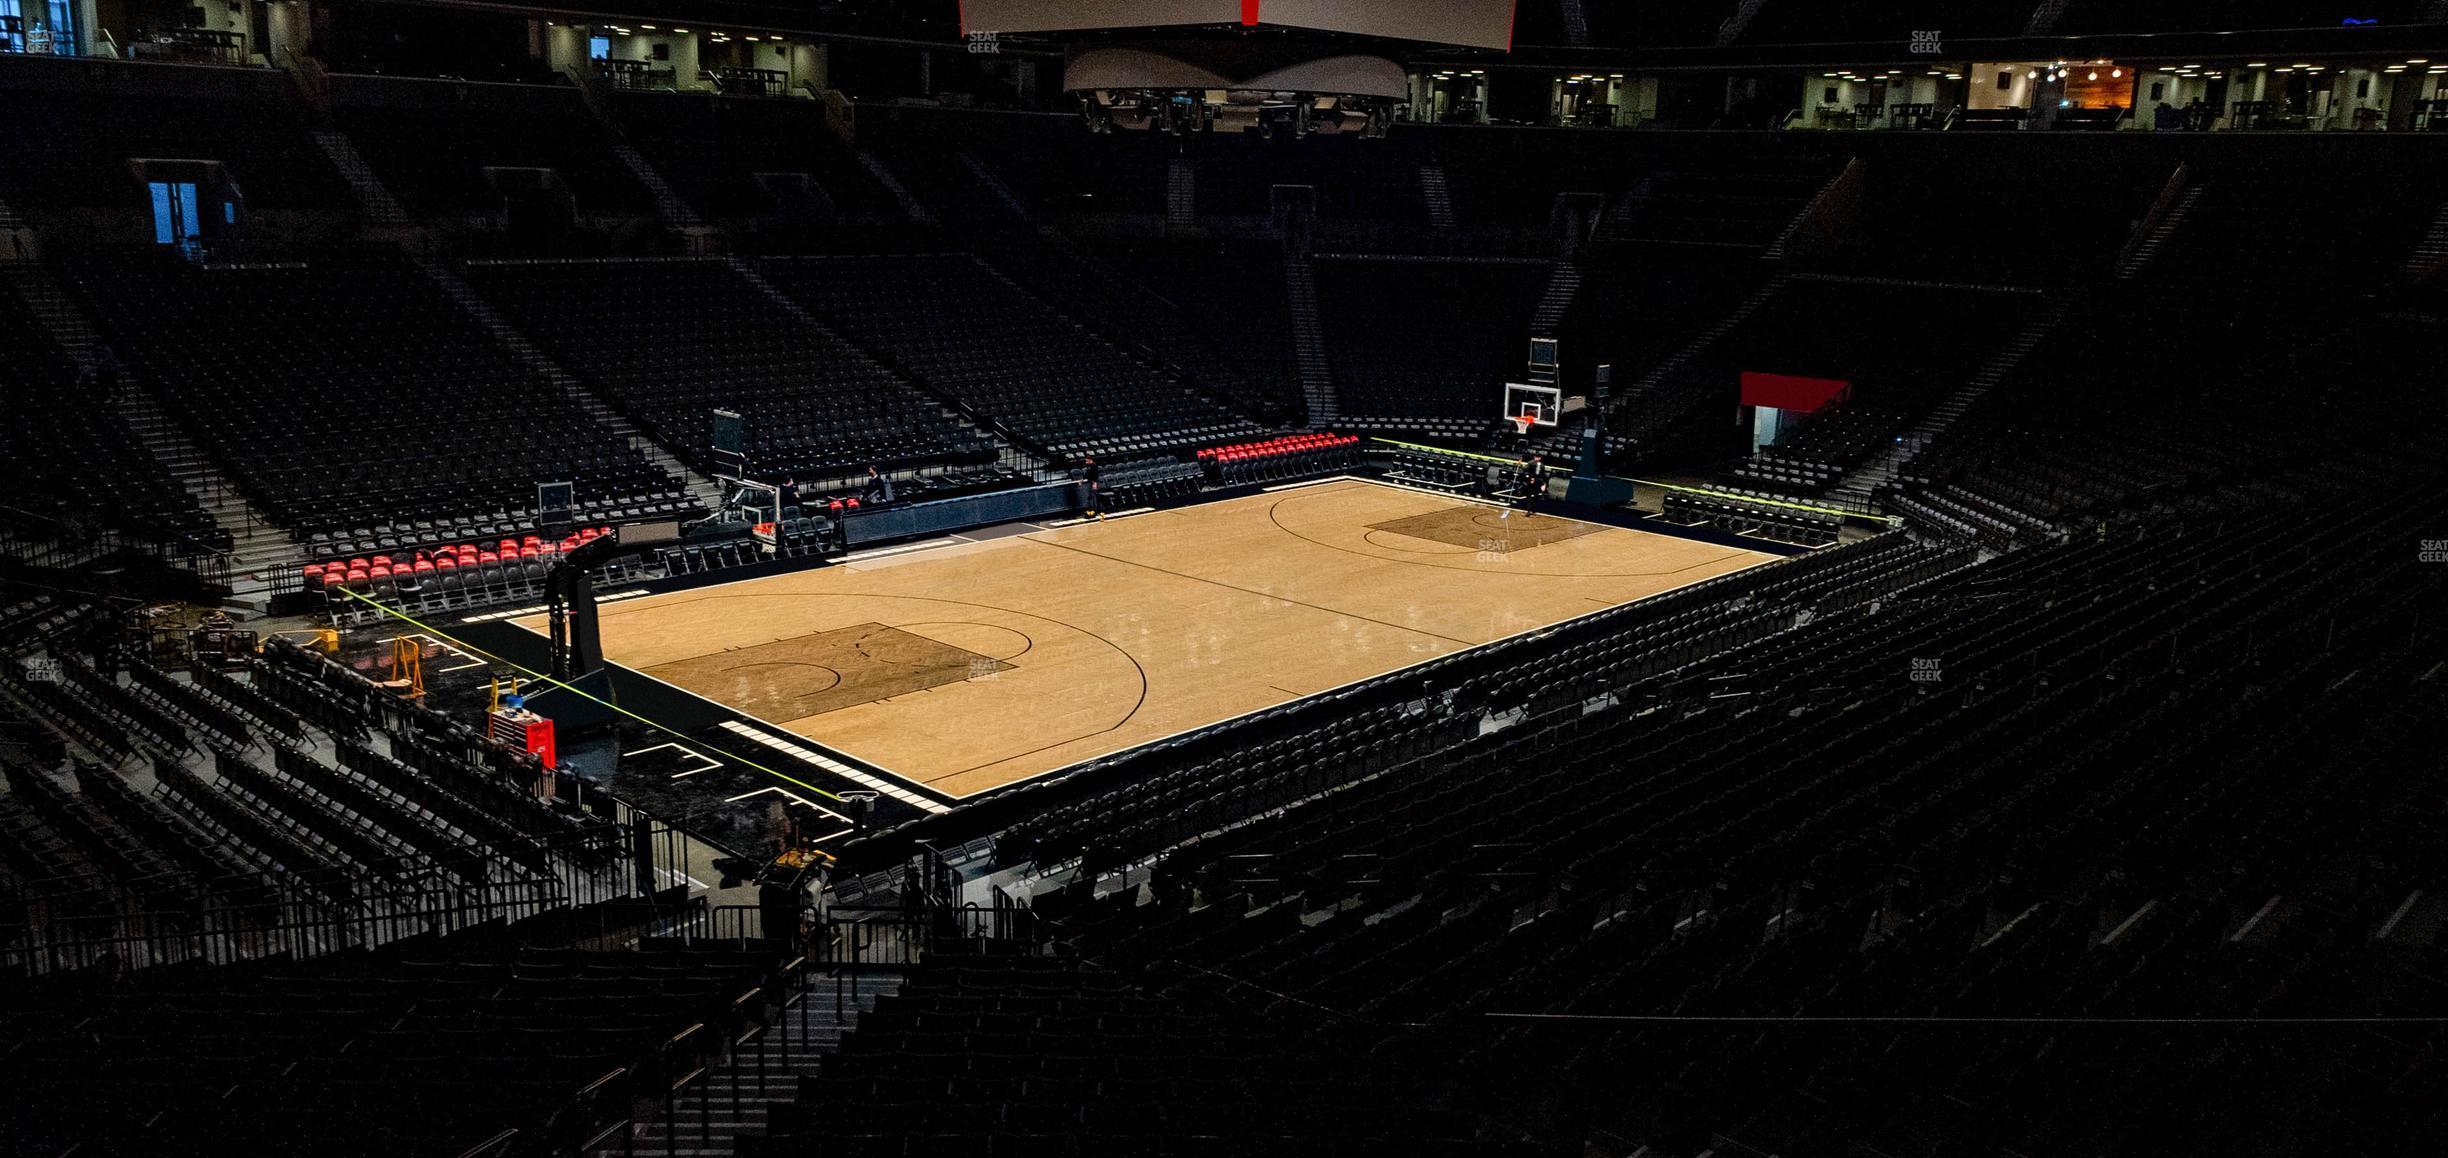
(1788, 392)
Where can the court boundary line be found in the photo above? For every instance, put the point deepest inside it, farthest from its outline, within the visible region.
(573, 689)
(914, 781)
(958, 799)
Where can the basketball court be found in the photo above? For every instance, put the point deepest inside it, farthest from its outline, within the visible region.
(969, 666)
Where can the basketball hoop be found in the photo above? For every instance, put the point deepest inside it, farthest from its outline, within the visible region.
(1522, 424)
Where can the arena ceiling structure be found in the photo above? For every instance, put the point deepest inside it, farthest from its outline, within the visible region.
(1276, 67)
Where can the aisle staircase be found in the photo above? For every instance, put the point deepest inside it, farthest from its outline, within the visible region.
(1181, 195)
(1576, 24)
(2132, 263)
(1658, 374)
(374, 199)
(673, 208)
(1309, 341)
(1438, 194)
(1855, 489)
(910, 208)
(2044, 17)
(711, 1108)
(703, 490)
(260, 553)
(1555, 299)
(2431, 253)
(259, 550)
(1732, 29)
(1006, 450)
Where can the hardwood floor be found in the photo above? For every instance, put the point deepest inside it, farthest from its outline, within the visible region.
(970, 666)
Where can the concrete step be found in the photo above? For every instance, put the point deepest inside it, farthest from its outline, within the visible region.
(727, 1102)
(373, 197)
(1440, 199)
(705, 490)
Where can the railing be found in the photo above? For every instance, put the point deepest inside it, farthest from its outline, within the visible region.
(312, 78)
(2169, 195)
(589, 879)
(1834, 213)
(192, 46)
(67, 545)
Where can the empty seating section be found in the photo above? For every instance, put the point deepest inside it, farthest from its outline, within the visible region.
(961, 330)
(1745, 811)
(1815, 450)
(1045, 159)
(1154, 480)
(1043, 1056)
(2190, 373)
(1461, 331)
(1965, 219)
(1506, 176)
(1159, 797)
(288, 806)
(970, 193)
(1746, 203)
(1428, 466)
(2324, 220)
(66, 453)
(1635, 309)
(2130, 405)
(1355, 180)
(1753, 514)
(1902, 346)
(431, 1051)
(719, 151)
(671, 341)
(351, 397)
(431, 143)
(1229, 299)
(87, 119)
(1162, 319)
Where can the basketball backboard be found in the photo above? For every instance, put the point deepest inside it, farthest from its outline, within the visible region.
(1542, 405)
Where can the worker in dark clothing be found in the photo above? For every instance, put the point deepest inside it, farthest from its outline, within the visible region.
(879, 488)
(1095, 478)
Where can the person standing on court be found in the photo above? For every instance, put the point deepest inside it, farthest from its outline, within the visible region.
(1095, 478)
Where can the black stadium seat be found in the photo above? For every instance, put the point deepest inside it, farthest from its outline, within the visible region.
(672, 340)
(958, 328)
(2067, 783)
(354, 395)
